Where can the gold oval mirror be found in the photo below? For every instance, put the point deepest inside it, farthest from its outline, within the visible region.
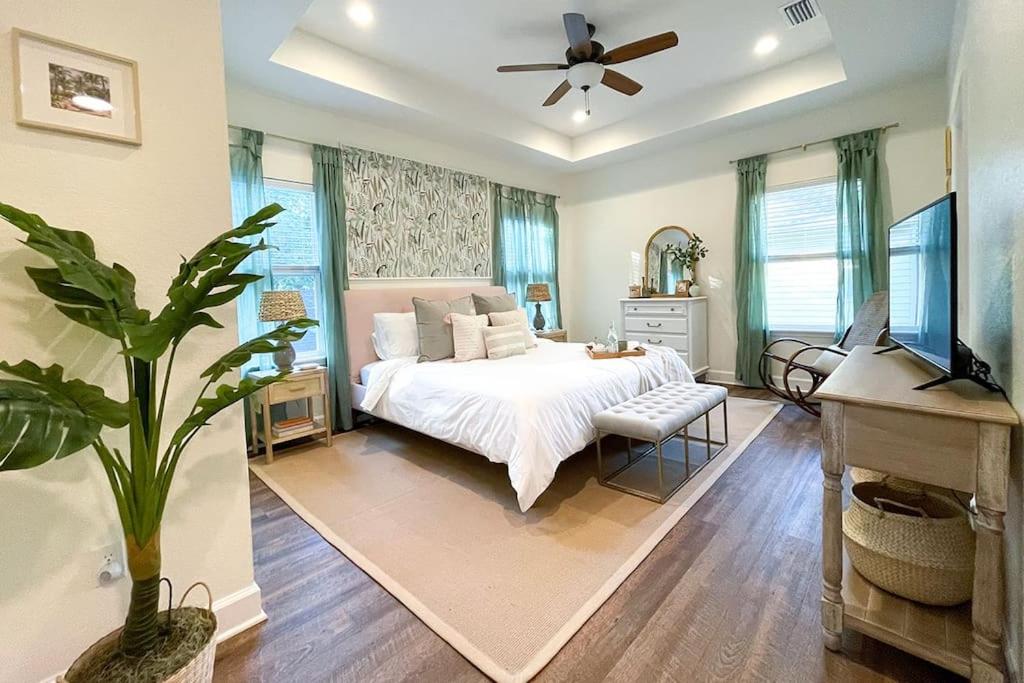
(663, 264)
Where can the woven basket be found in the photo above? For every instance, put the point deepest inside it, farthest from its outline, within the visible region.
(198, 670)
(916, 545)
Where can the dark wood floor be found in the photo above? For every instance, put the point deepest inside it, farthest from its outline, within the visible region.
(748, 610)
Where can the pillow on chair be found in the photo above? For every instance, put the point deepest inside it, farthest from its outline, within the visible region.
(827, 362)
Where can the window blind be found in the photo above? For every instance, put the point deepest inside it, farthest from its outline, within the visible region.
(295, 261)
(801, 272)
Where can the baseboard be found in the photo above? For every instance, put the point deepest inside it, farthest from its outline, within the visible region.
(235, 613)
(729, 377)
(239, 611)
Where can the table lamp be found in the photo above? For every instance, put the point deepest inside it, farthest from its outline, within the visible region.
(538, 292)
(276, 306)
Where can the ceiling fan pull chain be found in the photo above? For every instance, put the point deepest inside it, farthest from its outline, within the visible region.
(586, 99)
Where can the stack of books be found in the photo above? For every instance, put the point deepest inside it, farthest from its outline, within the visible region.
(292, 425)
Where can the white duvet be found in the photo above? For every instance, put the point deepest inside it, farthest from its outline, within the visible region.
(530, 412)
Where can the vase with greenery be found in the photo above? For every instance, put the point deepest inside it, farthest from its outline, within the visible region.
(46, 416)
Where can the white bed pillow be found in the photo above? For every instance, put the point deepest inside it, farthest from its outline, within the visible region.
(394, 335)
(468, 335)
(516, 317)
(504, 341)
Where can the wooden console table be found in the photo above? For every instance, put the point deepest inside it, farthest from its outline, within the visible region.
(955, 436)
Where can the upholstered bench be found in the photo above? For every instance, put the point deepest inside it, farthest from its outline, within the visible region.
(656, 417)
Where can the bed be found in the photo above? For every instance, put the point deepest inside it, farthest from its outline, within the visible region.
(529, 412)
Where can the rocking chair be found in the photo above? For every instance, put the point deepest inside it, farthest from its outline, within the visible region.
(870, 326)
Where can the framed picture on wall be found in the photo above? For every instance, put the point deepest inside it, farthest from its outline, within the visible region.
(72, 89)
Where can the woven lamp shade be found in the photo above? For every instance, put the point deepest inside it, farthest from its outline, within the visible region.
(276, 305)
(538, 292)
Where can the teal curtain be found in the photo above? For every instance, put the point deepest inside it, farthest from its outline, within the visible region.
(750, 254)
(525, 246)
(861, 239)
(330, 215)
(246, 199)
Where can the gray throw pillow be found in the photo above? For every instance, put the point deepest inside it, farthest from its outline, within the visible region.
(485, 305)
(434, 332)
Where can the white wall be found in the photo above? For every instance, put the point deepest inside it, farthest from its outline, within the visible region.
(143, 206)
(988, 109)
(289, 160)
(612, 211)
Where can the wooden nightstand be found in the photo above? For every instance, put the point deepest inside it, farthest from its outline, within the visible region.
(302, 384)
(553, 335)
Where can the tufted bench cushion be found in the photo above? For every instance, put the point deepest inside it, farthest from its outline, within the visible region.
(661, 412)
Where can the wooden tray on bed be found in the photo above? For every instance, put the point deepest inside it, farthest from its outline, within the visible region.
(602, 355)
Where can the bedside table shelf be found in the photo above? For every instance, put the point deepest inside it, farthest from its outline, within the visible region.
(308, 385)
(553, 335)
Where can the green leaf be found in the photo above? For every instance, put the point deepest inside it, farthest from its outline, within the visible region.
(225, 396)
(88, 398)
(293, 330)
(47, 417)
(36, 427)
(74, 254)
(207, 280)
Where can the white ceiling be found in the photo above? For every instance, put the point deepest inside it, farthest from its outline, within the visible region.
(429, 66)
(461, 42)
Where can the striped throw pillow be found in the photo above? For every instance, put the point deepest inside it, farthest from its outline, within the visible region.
(517, 316)
(504, 341)
(467, 333)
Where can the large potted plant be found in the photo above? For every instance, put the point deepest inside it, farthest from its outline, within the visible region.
(46, 416)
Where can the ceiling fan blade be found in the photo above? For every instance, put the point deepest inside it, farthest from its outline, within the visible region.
(578, 33)
(624, 84)
(641, 48)
(531, 67)
(558, 93)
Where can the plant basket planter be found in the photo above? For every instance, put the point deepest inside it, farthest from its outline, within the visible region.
(185, 653)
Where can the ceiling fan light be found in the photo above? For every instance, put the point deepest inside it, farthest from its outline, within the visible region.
(585, 74)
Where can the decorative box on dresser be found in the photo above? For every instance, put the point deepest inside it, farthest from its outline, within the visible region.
(681, 323)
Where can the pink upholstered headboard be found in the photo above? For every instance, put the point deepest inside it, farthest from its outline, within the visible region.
(361, 304)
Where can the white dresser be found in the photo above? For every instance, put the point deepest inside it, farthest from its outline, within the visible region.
(676, 322)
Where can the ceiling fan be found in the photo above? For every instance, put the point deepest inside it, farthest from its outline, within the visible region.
(587, 61)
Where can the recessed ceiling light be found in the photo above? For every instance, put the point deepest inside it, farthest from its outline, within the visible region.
(579, 116)
(361, 14)
(766, 46)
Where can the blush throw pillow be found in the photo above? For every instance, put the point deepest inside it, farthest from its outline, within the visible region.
(468, 336)
(515, 317)
(433, 327)
(504, 341)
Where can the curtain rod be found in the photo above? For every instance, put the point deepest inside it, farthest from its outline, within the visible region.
(307, 142)
(804, 146)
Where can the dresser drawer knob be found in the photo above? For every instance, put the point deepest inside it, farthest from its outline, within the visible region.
(653, 325)
(652, 341)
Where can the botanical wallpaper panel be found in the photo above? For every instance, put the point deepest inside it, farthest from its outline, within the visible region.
(413, 220)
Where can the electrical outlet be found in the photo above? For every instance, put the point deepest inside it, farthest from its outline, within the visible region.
(109, 564)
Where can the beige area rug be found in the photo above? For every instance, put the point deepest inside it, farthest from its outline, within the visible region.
(439, 528)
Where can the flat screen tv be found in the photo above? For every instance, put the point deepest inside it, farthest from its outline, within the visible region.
(923, 286)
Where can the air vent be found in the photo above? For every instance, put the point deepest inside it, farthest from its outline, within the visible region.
(798, 12)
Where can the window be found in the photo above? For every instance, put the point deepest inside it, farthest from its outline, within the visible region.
(904, 268)
(295, 261)
(801, 276)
